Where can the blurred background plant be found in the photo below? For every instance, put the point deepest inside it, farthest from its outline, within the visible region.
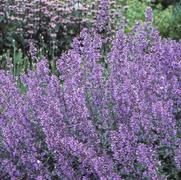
(167, 15)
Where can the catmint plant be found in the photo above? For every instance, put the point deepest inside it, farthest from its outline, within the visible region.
(84, 123)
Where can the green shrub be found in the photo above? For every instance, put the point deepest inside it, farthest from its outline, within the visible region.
(167, 20)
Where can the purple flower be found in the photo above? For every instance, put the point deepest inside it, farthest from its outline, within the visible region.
(123, 145)
(11, 169)
(149, 15)
(147, 157)
(102, 19)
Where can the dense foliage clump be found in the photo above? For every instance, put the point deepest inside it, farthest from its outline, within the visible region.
(114, 116)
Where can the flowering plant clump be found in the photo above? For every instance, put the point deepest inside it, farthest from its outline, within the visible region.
(119, 121)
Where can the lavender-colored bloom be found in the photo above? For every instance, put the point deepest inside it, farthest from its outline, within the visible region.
(123, 144)
(149, 15)
(101, 165)
(102, 19)
(74, 96)
(33, 51)
(178, 156)
(166, 128)
(11, 169)
(17, 129)
(46, 101)
(147, 157)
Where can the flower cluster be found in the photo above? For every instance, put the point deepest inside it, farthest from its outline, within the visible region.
(102, 20)
(93, 121)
